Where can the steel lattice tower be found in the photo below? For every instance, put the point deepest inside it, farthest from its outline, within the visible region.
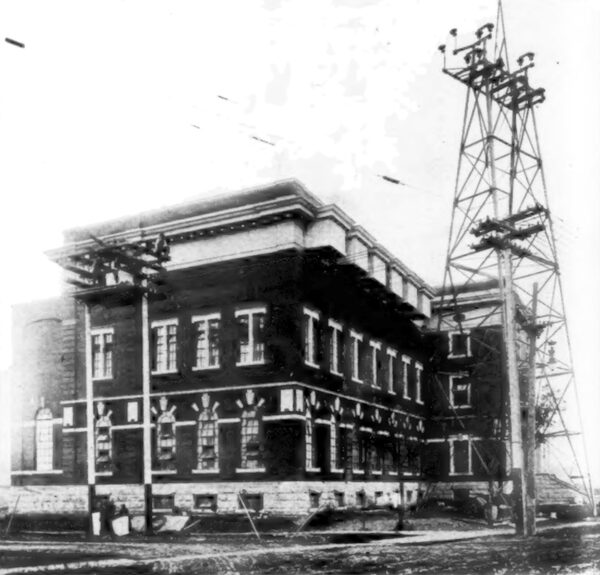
(502, 231)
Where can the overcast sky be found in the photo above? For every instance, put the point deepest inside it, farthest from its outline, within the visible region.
(113, 107)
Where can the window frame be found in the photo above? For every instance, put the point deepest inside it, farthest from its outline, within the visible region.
(44, 440)
(251, 312)
(165, 324)
(356, 339)
(465, 332)
(101, 332)
(205, 319)
(452, 379)
(392, 375)
(310, 320)
(336, 347)
(375, 346)
(207, 419)
(452, 466)
(419, 382)
(406, 361)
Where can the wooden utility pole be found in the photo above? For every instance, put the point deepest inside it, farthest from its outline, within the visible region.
(529, 439)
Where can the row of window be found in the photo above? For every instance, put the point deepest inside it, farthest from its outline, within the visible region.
(375, 363)
(250, 343)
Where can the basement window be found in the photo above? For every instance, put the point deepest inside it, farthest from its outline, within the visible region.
(163, 502)
(459, 343)
(205, 502)
(361, 499)
(314, 499)
(340, 498)
(252, 501)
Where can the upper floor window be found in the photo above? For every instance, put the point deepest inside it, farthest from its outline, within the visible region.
(460, 392)
(355, 355)
(102, 353)
(459, 343)
(405, 389)
(419, 382)
(311, 328)
(391, 371)
(251, 341)
(164, 334)
(103, 436)
(44, 444)
(374, 368)
(336, 347)
(207, 340)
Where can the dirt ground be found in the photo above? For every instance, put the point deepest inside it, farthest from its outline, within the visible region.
(556, 549)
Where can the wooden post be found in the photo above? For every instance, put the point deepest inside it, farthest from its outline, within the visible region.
(530, 494)
(89, 414)
(147, 424)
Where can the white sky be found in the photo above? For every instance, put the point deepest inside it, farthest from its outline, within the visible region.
(96, 119)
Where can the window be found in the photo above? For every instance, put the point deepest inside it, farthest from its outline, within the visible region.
(163, 502)
(252, 501)
(165, 346)
(132, 411)
(336, 348)
(207, 340)
(375, 348)
(391, 372)
(314, 498)
(340, 498)
(165, 440)
(460, 457)
(361, 499)
(205, 502)
(311, 328)
(44, 441)
(102, 353)
(405, 364)
(419, 382)
(103, 443)
(459, 343)
(310, 450)
(68, 416)
(355, 343)
(250, 440)
(207, 441)
(251, 344)
(460, 392)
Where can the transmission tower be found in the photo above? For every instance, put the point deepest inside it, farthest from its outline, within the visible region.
(501, 231)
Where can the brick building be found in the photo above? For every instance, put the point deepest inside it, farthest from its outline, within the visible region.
(279, 362)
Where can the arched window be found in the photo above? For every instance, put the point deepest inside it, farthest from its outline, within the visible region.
(165, 440)
(44, 444)
(250, 439)
(208, 456)
(103, 443)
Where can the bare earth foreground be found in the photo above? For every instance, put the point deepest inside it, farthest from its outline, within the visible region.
(560, 548)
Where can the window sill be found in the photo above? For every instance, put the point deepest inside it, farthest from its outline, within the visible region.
(207, 368)
(460, 356)
(332, 372)
(104, 473)
(205, 471)
(313, 469)
(376, 472)
(101, 379)
(36, 472)
(406, 397)
(311, 364)
(420, 401)
(249, 363)
(358, 471)
(164, 472)
(457, 473)
(336, 470)
(254, 470)
(357, 380)
(391, 392)
(165, 372)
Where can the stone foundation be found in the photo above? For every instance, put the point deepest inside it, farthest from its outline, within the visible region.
(278, 498)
